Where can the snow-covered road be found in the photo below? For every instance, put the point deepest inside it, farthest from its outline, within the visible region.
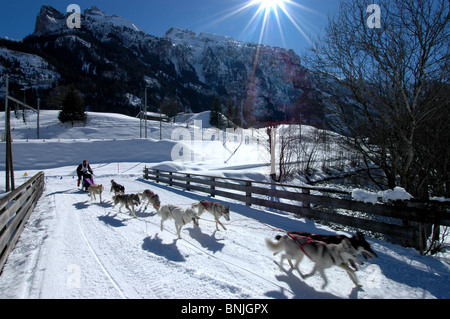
(75, 248)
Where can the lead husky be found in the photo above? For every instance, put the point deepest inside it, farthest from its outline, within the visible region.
(180, 216)
(216, 209)
(358, 242)
(127, 201)
(96, 190)
(323, 255)
(151, 198)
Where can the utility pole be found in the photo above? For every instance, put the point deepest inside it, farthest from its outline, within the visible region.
(10, 185)
(140, 120)
(160, 124)
(145, 112)
(9, 182)
(38, 111)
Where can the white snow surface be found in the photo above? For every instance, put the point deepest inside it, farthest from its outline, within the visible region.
(77, 248)
(398, 193)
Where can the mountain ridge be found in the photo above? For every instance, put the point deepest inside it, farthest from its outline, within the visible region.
(110, 59)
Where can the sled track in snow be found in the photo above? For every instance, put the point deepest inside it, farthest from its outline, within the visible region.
(117, 285)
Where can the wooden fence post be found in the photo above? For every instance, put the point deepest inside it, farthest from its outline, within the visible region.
(248, 192)
(213, 187)
(188, 182)
(305, 204)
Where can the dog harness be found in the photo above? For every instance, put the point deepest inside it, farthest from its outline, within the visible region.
(207, 204)
(296, 237)
(150, 193)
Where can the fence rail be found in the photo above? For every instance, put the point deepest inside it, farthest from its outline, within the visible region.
(15, 209)
(404, 222)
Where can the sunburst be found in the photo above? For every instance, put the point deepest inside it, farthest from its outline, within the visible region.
(271, 15)
(269, 4)
(265, 15)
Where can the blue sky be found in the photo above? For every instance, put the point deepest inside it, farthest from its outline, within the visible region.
(235, 18)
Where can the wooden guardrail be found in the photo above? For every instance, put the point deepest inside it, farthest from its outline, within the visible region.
(404, 222)
(15, 209)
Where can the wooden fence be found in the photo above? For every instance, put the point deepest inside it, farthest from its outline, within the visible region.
(15, 209)
(405, 222)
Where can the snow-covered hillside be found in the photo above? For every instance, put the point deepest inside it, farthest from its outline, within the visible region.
(73, 247)
(27, 69)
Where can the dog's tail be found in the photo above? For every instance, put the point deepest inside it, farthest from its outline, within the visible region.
(275, 246)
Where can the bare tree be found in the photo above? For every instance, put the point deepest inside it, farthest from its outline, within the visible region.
(396, 76)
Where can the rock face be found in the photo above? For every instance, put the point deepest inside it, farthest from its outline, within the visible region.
(112, 61)
(49, 20)
(268, 78)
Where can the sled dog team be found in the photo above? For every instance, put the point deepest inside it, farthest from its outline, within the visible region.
(180, 216)
(324, 251)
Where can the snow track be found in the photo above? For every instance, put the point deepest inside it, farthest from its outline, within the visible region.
(132, 258)
(108, 275)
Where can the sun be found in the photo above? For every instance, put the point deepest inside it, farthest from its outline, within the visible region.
(269, 4)
(267, 16)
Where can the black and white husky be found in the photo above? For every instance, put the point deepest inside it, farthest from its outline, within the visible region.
(216, 209)
(323, 255)
(117, 188)
(180, 216)
(358, 242)
(127, 200)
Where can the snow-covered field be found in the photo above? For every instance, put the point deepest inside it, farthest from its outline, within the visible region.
(73, 247)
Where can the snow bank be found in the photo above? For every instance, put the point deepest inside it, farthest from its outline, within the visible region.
(386, 196)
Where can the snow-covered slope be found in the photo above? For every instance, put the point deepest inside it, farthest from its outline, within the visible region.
(73, 247)
(26, 69)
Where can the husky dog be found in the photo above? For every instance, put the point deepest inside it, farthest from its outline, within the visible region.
(216, 209)
(96, 189)
(151, 198)
(180, 216)
(117, 188)
(323, 255)
(358, 242)
(127, 201)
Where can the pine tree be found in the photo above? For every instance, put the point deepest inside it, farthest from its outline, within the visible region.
(233, 114)
(72, 107)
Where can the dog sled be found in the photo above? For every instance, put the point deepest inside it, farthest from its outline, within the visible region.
(87, 181)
